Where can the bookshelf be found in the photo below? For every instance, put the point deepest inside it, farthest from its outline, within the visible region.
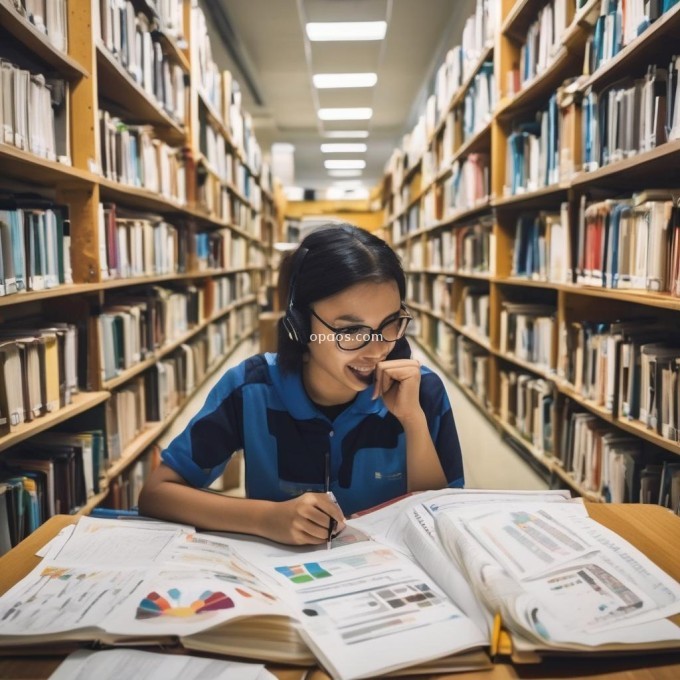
(451, 273)
(139, 186)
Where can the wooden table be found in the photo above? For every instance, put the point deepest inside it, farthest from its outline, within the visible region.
(652, 529)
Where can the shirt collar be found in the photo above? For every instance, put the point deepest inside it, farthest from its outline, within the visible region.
(300, 406)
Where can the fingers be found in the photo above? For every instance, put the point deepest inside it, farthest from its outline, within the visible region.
(389, 372)
(313, 517)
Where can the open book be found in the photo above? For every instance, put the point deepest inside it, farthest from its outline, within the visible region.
(361, 609)
(560, 581)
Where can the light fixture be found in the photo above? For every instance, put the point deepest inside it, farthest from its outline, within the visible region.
(355, 113)
(346, 30)
(344, 173)
(346, 134)
(349, 183)
(330, 80)
(344, 165)
(350, 147)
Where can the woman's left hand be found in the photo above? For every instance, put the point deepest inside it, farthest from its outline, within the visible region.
(398, 383)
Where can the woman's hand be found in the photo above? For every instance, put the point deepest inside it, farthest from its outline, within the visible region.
(398, 383)
(303, 520)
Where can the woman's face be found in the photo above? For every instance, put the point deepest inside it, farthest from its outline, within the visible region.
(331, 375)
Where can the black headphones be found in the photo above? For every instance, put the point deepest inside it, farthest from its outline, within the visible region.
(295, 322)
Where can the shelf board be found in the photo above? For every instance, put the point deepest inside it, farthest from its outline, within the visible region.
(640, 297)
(82, 401)
(125, 92)
(633, 173)
(137, 197)
(49, 293)
(537, 91)
(175, 52)
(25, 166)
(656, 45)
(459, 94)
(543, 197)
(38, 43)
(479, 142)
(141, 366)
(522, 14)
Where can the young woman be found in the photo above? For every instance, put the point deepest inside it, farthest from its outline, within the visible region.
(341, 407)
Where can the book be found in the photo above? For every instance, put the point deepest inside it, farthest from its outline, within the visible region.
(365, 607)
(362, 608)
(530, 556)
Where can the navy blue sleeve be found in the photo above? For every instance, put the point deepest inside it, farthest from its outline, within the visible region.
(437, 408)
(200, 453)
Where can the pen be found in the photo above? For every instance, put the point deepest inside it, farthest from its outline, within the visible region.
(327, 488)
(495, 635)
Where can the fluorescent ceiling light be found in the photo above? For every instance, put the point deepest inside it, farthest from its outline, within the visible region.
(344, 173)
(345, 165)
(356, 147)
(346, 193)
(346, 30)
(329, 80)
(357, 113)
(349, 183)
(346, 134)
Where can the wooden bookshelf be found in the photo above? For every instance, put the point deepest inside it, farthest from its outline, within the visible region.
(82, 401)
(38, 44)
(652, 169)
(97, 81)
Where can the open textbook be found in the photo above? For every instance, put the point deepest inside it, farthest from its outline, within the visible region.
(561, 581)
(414, 585)
(361, 609)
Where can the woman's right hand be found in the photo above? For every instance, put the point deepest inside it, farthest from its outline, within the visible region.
(303, 520)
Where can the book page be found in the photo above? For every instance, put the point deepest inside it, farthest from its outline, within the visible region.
(366, 609)
(113, 664)
(598, 590)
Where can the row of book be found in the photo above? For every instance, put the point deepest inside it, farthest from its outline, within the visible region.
(49, 17)
(479, 31)
(132, 327)
(125, 488)
(527, 332)
(544, 39)
(618, 24)
(33, 112)
(630, 243)
(541, 246)
(629, 118)
(614, 465)
(525, 404)
(132, 155)
(35, 245)
(468, 186)
(38, 371)
(533, 152)
(630, 368)
(53, 473)
(134, 40)
(223, 94)
(466, 249)
(223, 249)
(133, 244)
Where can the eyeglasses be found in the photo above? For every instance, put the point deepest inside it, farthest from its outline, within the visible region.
(352, 338)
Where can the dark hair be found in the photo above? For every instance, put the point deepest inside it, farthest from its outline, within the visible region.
(329, 260)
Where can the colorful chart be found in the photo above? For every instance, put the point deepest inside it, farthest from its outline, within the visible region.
(303, 573)
(170, 604)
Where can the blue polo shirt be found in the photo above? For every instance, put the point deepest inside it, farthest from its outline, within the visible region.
(285, 437)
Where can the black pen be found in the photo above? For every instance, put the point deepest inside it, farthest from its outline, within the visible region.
(327, 488)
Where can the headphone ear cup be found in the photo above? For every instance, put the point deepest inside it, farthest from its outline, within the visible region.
(296, 326)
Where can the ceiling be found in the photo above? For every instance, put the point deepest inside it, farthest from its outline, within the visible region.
(263, 42)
